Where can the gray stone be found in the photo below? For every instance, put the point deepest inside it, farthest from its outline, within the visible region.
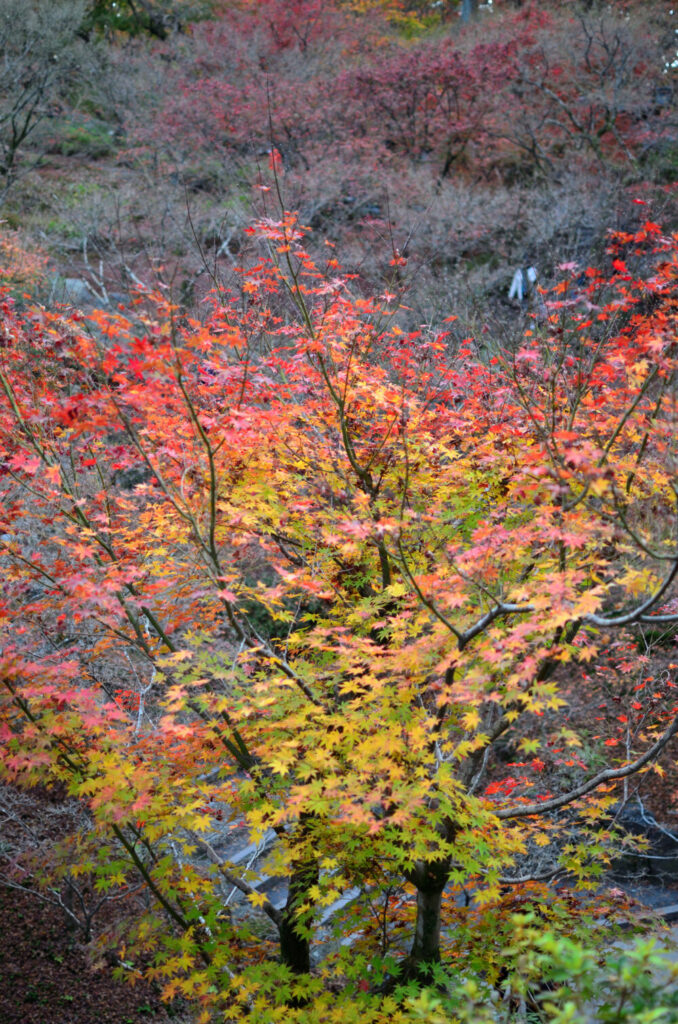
(659, 860)
(71, 291)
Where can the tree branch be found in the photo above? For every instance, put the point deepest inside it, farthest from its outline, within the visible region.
(638, 613)
(233, 880)
(608, 775)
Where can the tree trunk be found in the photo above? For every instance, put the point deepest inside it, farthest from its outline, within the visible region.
(469, 9)
(430, 881)
(426, 946)
(295, 949)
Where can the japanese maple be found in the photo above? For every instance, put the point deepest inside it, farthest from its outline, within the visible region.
(294, 572)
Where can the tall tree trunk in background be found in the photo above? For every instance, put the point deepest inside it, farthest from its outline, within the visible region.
(469, 9)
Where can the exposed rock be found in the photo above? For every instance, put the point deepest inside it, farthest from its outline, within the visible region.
(72, 291)
(133, 476)
(659, 860)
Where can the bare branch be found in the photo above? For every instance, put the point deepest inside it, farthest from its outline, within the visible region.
(494, 613)
(638, 613)
(234, 880)
(608, 775)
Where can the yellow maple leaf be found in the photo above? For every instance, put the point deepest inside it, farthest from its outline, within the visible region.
(588, 603)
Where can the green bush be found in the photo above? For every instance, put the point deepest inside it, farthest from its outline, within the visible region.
(551, 979)
(88, 137)
(156, 17)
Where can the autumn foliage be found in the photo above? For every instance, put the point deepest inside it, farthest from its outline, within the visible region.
(291, 573)
(538, 87)
(515, 140)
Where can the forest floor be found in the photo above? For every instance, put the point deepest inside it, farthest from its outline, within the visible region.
(48, 978)
(48, 975)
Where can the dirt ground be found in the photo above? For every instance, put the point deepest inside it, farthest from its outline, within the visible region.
(47, 974)
(45, 978)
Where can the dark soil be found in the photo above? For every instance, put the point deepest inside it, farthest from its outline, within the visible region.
(48, 975)
(46, 978)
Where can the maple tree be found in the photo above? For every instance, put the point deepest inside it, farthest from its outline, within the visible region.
(291, 572)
